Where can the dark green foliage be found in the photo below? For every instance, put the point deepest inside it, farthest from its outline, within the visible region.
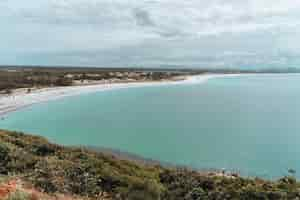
(62, 81)
(4, 158)
(73, 170)
(31, 78)
(47, 77)
(78, 171)
(184, 184)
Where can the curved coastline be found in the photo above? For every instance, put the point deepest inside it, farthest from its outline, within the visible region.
(21, 99)
(189, 83)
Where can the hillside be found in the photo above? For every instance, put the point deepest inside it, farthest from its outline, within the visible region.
(51, 170)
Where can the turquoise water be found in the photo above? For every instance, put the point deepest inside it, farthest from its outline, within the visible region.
(250, 123)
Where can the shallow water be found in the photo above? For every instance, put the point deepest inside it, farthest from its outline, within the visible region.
(247, 123)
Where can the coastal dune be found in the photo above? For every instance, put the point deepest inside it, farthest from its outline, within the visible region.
(20, 98)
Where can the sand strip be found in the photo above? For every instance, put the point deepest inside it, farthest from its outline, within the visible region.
(20, 98)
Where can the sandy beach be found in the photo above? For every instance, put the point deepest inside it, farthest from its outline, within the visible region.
(20, 98)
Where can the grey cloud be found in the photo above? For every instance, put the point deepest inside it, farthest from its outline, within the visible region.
(151, 31)
(143, 17)
(166, 18)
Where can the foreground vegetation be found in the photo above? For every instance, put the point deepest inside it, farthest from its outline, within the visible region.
(56, 169)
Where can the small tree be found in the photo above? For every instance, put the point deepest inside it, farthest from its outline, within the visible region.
(4, 158)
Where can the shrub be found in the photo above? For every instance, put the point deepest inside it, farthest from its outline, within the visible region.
(4, 158)
(52, 168)
(18, 195)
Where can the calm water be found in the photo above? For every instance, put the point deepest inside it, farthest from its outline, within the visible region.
(250, 124)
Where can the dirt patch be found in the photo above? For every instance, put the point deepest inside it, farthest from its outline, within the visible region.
(17, 185)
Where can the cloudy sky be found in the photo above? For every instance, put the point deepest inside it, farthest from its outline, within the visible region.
(151, 33)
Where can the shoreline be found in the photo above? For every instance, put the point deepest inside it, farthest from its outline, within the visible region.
(145, 161)
(199, 79)
(20, 99)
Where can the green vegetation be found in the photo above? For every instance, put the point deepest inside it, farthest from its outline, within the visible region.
(30, 78)
(77, 171)
(18, 195)
(12, 78)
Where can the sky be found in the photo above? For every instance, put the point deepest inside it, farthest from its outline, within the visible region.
(151, 33)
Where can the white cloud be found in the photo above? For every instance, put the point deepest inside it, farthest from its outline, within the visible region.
(151, 31)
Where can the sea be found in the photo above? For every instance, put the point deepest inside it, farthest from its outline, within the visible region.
(248, 124)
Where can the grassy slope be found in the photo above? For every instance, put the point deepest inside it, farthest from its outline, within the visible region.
(53, 168)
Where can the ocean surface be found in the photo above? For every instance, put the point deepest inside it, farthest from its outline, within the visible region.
(249, 124)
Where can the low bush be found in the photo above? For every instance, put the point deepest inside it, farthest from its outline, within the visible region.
(18, 195)
(78, 171)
